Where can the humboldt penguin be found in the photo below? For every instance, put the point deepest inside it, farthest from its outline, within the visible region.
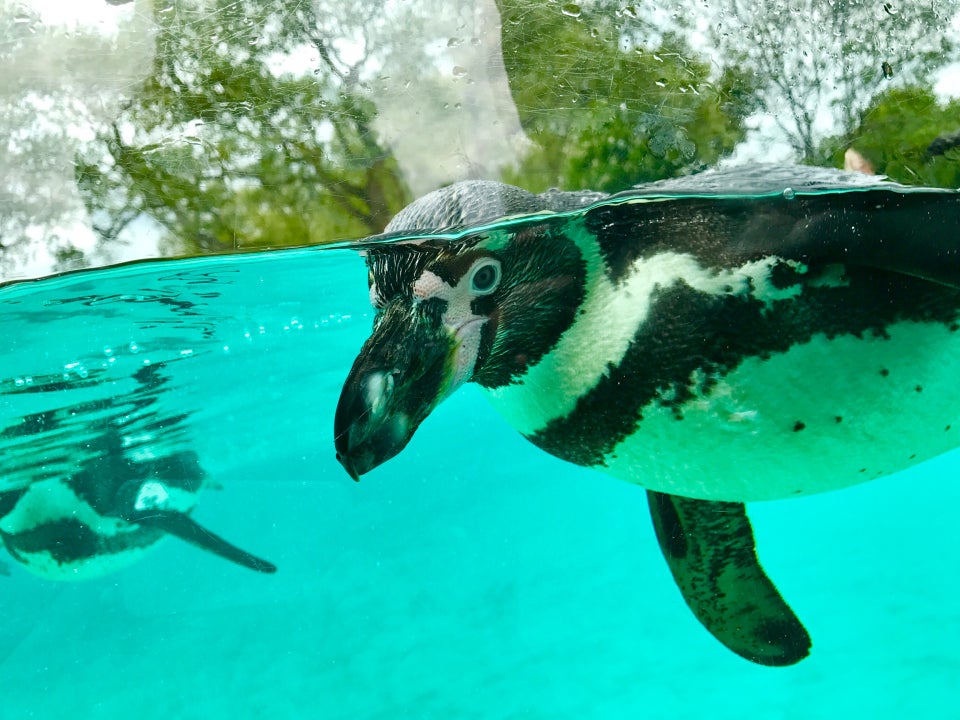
(106, 515)
(123, 496)
(739, 335)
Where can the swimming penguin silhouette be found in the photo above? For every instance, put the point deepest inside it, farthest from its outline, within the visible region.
(64, 521)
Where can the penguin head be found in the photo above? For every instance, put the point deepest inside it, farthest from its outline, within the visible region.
(479, 307)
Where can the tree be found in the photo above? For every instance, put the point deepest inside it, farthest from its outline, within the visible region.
(603, 110)
(225, 149)
(819, 64)
(898, 134)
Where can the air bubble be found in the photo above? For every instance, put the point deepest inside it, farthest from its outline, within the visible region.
(789, 194)
(133, 348)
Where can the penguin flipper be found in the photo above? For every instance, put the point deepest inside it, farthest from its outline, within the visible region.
(709, 548)
(188, 529)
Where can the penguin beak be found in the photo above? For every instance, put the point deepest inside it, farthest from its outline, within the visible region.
(402, 373)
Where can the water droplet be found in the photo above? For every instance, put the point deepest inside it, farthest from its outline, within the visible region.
(889, 9)
(454, 42)
(459, 71)
(661, 82)
(789, 194)
(571, 10)
(629, 11)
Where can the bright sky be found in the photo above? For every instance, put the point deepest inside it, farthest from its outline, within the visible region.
(71, 13)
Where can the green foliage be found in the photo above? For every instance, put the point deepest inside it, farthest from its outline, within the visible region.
(814, 60)
(225, 151)
(605, 113)
(895, 136)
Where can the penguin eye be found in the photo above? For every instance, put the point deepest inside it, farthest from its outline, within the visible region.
(485, 277)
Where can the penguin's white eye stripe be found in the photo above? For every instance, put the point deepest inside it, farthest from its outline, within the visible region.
(429, 285)
(485, 276)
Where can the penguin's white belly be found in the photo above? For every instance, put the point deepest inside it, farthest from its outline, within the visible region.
(826, 414)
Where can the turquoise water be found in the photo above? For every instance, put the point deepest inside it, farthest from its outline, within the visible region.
(471, 577)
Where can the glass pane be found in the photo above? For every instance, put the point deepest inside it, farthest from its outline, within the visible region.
(774, 320)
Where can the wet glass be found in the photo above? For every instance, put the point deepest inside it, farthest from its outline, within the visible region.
(473, 574)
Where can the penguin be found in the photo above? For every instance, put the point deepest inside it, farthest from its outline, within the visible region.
(125, 496)
(745, 334)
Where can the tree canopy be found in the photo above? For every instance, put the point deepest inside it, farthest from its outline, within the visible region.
(225, 149)
(817, 66)
(263, 124)
(908, 135)
(603, 110)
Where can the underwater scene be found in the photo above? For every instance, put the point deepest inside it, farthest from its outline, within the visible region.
(472, 576)
(479, 359)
